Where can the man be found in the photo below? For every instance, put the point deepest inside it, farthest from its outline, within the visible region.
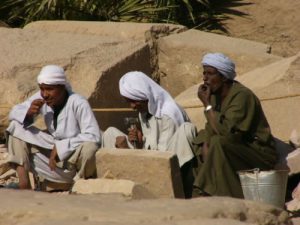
(163, 124)
(237, 135)
(65, 151)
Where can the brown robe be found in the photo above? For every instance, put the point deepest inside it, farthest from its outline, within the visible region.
(244, 142)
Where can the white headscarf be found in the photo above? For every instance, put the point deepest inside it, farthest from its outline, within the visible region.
(138, 86)
(53, 75)
(222, 63)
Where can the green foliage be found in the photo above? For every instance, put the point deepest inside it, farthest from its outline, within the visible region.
(202, 14)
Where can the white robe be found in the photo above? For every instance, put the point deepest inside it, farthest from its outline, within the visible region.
(76, 124)
(160, 134)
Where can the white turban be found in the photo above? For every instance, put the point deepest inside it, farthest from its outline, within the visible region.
(53, 75)
(222, 63)
(138, 86)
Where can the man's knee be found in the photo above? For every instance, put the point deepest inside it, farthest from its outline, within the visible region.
(189, 130)
(217, 140)
(220, 143)
(89, 149)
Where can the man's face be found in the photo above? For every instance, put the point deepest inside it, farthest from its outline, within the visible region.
(54, 95)
(140, 106)
(212, 78)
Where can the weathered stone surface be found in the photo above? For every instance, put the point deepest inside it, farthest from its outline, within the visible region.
(296, 221)
(93, 65)
(111, 186)
(157, 171)
(293, 205)
(27, 207)
(278, 87)
(125, 30)
(293, 160)
(180, 56)
(295, 139)
(94, 54)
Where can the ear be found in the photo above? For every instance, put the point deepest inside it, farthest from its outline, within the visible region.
(224, 79)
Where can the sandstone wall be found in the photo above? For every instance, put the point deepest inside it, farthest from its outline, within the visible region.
(180, 57)
(94, 54)
(278, 87)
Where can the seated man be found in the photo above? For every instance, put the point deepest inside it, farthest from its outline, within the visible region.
(237, 135)
(66, 150)
(163, 124)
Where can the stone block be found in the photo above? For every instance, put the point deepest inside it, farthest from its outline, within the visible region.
(293, 205)
(124, 30)
(293, 160)
(97, 61)
(180, 56)
(4, 166)
(277, 90)
(295, 221)
(156, 171)
(111, 186)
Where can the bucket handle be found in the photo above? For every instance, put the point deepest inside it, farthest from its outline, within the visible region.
(256, 172)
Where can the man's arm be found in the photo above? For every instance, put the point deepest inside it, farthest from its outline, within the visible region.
(204, 94)
(25, 112)
(89, 130)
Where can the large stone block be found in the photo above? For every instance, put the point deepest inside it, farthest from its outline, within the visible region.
(180, 56)
(126, 188)
(277, 85)
(124, 30)
(293, 160)
(93, 64)
(157, 171)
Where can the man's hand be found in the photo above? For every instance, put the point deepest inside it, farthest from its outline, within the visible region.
(135, 136)
(204, 94)
(53, 158)
(34, 108)
(205, 151)
(121, 142)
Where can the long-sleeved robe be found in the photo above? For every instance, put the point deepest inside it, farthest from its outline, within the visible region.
(244, 142)
(159, 134)
(76, 124)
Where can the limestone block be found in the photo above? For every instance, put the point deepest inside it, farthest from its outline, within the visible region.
(295, 138)
(124, 30)
(296, 192)
(110, 186)
(277, 86)
(293, 160)
(293, 205)
(296, 221)
(180, 57)
(156, 171)
(93, 64)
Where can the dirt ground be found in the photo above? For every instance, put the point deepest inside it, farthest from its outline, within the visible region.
(274, 22)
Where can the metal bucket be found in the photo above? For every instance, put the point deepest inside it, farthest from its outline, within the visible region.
(264, 186)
